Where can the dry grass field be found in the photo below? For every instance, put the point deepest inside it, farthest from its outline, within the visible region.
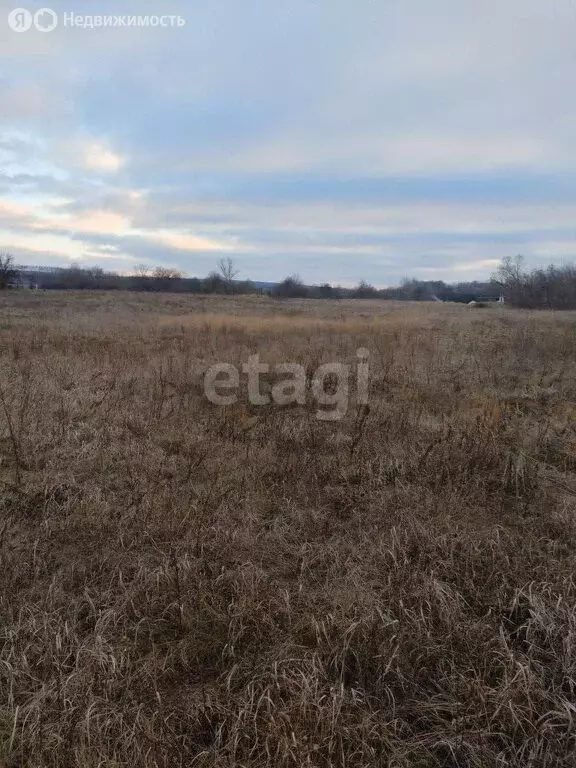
(183, 584)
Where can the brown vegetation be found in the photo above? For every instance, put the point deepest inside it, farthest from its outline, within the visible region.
(188, 585)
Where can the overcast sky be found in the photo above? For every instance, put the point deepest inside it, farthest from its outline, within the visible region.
(337, 139)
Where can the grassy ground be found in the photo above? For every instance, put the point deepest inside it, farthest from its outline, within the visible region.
(189, 585)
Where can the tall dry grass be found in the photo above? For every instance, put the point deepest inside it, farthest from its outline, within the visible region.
(180, 589)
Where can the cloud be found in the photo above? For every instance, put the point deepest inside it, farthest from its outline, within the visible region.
(341, 142)
(99, 158)
(88, 154)
(25, 102)
(96, 221)
(182, 241)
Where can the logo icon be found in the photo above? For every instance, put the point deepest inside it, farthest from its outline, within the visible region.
(45, 20)
(20, 20)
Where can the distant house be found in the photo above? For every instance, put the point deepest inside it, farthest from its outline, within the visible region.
(492, 299)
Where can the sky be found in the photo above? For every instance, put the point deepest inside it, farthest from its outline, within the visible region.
(339, 140)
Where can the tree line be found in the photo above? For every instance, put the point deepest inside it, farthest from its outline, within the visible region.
(553, 287)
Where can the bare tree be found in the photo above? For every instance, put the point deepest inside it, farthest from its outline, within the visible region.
(167, 273)
(141, 279)
(228, 272)
(510, 270)
(511, 278)
(166, 278)
(8, 270)
(291, 288)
